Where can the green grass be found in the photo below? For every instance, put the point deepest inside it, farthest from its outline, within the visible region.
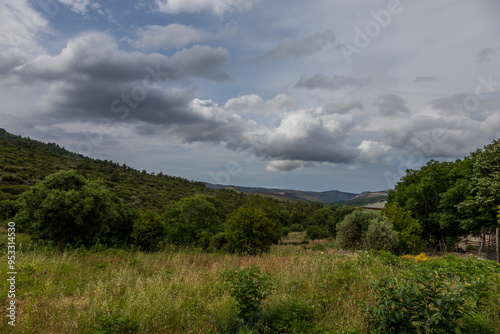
(183, 291)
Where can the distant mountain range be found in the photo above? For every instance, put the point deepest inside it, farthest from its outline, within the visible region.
(331, 196)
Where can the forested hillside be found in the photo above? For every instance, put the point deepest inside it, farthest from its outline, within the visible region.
(24, 162)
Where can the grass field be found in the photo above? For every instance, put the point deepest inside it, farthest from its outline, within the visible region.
(184, 291)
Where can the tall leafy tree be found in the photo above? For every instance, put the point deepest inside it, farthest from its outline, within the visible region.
(67, 208)
(483, 196)
(192, 221)
(250, 230)
(419, 191)
(407, 228)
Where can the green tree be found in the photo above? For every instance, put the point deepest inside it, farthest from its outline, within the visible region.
(381, 236)
(149, 231)
(320, 217)
(351, 231)
(67, 208)
(432, 195)
(336, 217)
(192, 221)
(407, 228)
(250, 230)
(296, 228)
(483, 196)
(314, 232)
(8, 209)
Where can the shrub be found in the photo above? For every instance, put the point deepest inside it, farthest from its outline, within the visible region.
(68, 209)
(352, 231)
(250, 230)
(249, 287)
(381, 236)
(296, 228)
(149, 231)
(192, 221)
(288, 317)
(315, 232)
(218, 242)
(408, 228)
(435, 297)
(115, 325)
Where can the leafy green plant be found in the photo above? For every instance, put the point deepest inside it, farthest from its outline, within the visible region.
(115, 325)
(426, 300)
(149, 231)
(68, 209)
(252, 231)
(381, 236)
(352, 230)
(296, 227)
(288, 317)
(250, 287)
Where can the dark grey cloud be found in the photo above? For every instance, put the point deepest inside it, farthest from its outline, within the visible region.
(323, 81)
(95, 56)
(310, 149)
(391, 104)
(83, 100)
(425, 78)
(288, 165)
(91, 79)
(484, 56)
(299, 48)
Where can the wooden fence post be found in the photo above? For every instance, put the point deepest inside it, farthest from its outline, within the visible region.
(498, 244)
(488, 247)
(481, 243)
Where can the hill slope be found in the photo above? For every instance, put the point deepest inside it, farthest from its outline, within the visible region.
(24, 162)
(332, 196)
(368, 197)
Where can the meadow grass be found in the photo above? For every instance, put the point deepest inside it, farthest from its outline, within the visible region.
(183, 291)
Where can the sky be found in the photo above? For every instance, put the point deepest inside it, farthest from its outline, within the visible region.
(311, 95)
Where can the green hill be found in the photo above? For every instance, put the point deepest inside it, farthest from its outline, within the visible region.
(24, 162)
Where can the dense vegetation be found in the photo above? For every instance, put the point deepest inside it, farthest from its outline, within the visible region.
(452, 199)
(104, 248)
(98, 290)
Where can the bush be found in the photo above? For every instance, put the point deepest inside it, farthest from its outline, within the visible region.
(407, 228)
(435, 297)
(380, 236)
(249, 287)
(249, 230)
(296, 228)
(8, 209)
(288, 317)
(352, 231)
(218, 242)
(115, 325)
(68, 209)
(192, 221)
(149, 231)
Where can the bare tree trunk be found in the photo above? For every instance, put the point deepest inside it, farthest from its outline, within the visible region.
(61, 246)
